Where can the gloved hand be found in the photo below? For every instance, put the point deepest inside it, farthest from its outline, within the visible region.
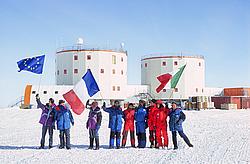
(37, 96)
(87, 103)
(104, 105)
(73, 123)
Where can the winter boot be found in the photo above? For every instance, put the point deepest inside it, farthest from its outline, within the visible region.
(183, 135)
(62, 142)
(132, 138)
(91, 143)
(174, 138)
(118, 140)
(67, 134)
(41, 147)
(111, 143)
(124, 138)
(97, 143)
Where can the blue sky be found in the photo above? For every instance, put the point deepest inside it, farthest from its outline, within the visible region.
(219, 30)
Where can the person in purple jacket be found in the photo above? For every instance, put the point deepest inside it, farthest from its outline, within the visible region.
(47, 120)
(94, 124)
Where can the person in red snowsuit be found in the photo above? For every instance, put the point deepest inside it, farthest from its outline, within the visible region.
(128, 116)
(161, 115)
(151, 125)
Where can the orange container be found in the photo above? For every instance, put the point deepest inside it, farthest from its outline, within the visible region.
(236, 91)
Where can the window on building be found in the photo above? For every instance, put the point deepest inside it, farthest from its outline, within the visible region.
(164, 90)
(88, 57)
(146, 64)
(113, 71)
(45, 92)
(75, 71)
(65, 72)
(176, 90)
(121, 59)
(175, 63)
(75, 57)
(113, 59)
(199, 63)
(196, 89)
(33, 92)
(57, 72)
(102, 70)
(56, 92)
(164, 63)
(113, 88)
(118, 88)
(122, 72)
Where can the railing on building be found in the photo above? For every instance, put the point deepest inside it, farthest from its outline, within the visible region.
(179, 55)
(88, 48)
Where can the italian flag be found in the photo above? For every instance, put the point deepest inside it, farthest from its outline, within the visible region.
(165, 78)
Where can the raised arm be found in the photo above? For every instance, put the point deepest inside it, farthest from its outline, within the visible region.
(105, 109)
(39, 104)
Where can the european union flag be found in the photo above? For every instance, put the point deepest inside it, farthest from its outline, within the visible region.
(34, 64)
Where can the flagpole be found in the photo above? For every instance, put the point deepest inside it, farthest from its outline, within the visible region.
(172, 91)
(39, 84)
(40, 79)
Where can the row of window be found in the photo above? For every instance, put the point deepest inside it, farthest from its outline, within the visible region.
(89, 58)
(114, 88)
(165, 64)
(118, 88)
(65, 71)
(176, 90)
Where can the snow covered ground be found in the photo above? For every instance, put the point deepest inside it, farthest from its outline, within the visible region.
(218, 137)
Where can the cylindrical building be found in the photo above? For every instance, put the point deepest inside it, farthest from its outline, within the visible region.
(109, 68)
(191, 83)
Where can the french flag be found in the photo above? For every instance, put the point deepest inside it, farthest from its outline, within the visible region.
(83, 90)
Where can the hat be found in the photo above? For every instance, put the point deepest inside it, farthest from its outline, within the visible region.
(61, 101)
(173, 102)
(51, 100)
(158, 102)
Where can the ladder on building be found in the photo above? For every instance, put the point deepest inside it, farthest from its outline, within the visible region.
(17, 102)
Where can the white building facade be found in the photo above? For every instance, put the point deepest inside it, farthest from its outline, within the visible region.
(109, 68)
(191, 83)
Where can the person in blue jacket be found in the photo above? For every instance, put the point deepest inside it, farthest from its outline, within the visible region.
(115, 123)
(140, 123)
(64, 118)
(176, 118)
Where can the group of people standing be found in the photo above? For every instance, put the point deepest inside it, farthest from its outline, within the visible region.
(136, 121)
(60, 114)
(153, 117)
